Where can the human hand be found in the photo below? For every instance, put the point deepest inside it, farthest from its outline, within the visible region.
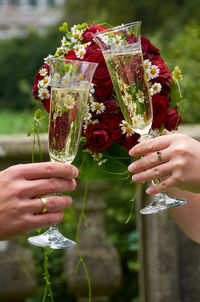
(180, 165)
(20, 206)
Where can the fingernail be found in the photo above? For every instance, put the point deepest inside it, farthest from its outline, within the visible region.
(132, 167)
(75, 172)
(131, 152)
(150, 190)
(136, 177)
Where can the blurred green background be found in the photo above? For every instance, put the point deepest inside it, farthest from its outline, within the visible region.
(172, 26)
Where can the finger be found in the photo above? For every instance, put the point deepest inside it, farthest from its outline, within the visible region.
(45, 220)
(151, 145)
(39, 187)
(158, 172)
(54, 204)
(45, 170)
(149, 161)
(163, 186)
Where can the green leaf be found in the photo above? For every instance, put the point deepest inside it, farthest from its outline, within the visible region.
(89, 169)
(176, 99)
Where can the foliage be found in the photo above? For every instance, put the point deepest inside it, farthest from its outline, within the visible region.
(19, 58)
(153, 13)
(183, 50)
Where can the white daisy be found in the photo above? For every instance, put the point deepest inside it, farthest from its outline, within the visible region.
(154, 71)
(138, 121)
(87, 116)
(127, 98)
(155, 88)
(147, 65)
(140, 96)
(43, 93)
(80, 52)
(105, 39)
(91, 91)
(45, 82)
(64, 42)
(69, 101)
(97, 156)
(97, 107)
(76, 34)
(46, 60)
(117, 40)
(43, 72)
(126, 129)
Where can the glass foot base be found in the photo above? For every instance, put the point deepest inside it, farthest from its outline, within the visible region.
(161, 202)
(52, 239)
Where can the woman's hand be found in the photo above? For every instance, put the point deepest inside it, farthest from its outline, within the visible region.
(20, 204)
(179, 165)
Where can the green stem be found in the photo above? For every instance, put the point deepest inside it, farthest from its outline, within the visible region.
(81, 260)
(39, 146)
(132, 204)
(46, 277)
(33, 149)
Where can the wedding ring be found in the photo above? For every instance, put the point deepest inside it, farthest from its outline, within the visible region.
(44, 205)
(159, 156)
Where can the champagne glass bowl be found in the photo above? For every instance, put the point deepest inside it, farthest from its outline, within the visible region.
(70, 84)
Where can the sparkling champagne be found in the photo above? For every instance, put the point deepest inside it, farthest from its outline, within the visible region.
(131, 87)
(65, 125)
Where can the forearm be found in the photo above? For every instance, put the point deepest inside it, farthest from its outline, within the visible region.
(187, 216)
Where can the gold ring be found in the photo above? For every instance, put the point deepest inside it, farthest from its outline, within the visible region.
(159, 156)
(44, 205)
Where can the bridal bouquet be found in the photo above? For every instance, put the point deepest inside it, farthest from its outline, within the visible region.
(106, 137)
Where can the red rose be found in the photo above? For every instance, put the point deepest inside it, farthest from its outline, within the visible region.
(94, 54)
(173, 119)
(90, 31)
(111, 106)
(160, 108)
(113, 123)
(102, 76)
(128, 141)
(103, 93)
(46, 104)
(98, 137)
(148, 48)
(71, 55)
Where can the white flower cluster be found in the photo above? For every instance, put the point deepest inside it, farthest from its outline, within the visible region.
(126, 129)
(97, 157)
(43, 92)
(64, 101)
(152, 72)
(94, 107)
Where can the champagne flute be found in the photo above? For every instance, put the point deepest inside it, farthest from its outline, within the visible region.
(121, 47)
(70, 84)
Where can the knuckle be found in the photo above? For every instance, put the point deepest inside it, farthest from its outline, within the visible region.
(50, 170)
(157, 172)
(54, 184)
(163, 185)
(177, 177)
(180, 164)
(150, 145)
(153, 160)
(20, 189)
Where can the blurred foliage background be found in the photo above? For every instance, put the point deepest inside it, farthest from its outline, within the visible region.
(172, 26)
